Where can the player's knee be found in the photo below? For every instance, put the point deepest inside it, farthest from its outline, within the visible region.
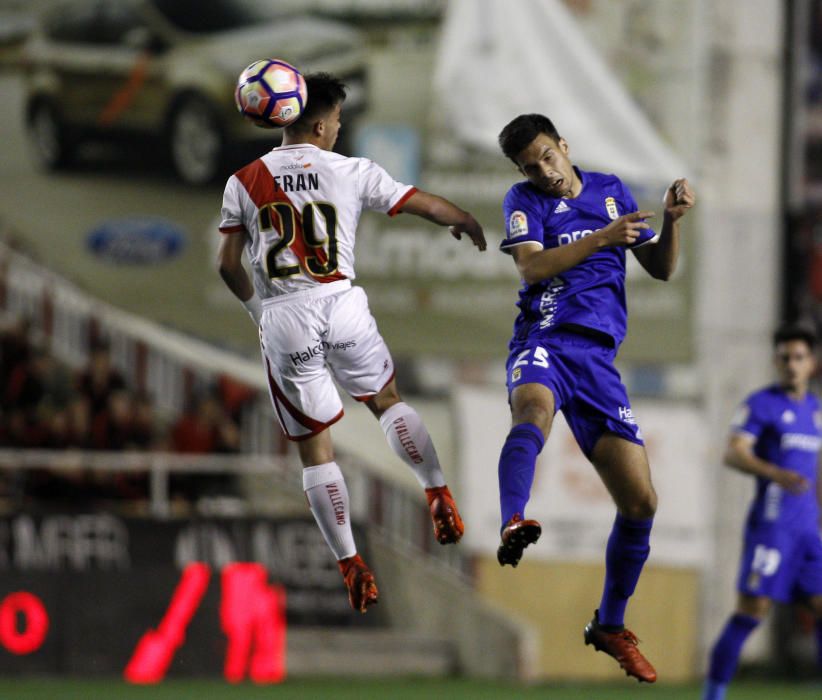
(536, 413)
(641, 507)
(754, 606)
(387, 397)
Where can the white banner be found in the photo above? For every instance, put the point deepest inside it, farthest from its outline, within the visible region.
(568, 498)
(498, 60)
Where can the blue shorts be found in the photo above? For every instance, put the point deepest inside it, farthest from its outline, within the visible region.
(579, 370)
(782, 564)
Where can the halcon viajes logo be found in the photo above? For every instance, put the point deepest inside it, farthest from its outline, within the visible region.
(321, 347)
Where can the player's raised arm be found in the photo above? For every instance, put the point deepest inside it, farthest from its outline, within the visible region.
(739, 455)
(441, 211)
(660, 259)
(536, 263)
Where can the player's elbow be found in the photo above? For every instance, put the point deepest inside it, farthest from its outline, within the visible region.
(531, 274)
(226, 269)
(662, 274)
(731, 458)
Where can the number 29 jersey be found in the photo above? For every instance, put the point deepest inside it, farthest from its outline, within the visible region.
(300, 206)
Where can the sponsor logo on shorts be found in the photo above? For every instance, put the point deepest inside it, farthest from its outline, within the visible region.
(516, 374)
(517, 224)
(626, 415)
(766, 560)
(321, 348)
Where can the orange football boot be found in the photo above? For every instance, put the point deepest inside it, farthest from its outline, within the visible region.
(448, 527)
(622, 645)
(362, 589)
(516, 536)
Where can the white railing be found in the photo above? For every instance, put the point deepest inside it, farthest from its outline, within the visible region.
(169, 365)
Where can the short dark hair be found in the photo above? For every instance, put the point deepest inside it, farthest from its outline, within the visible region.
(794, 331)
(519, 132)
(324, 93)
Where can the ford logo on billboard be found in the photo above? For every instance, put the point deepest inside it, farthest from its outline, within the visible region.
(136, 240)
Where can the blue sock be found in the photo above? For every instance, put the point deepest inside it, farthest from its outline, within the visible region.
(725, 655)
(818, 629)
(628, 548)
(517, 463)
(714, 691)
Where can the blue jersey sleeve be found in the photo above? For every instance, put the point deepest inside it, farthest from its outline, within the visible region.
(523, 220)
(751, 418)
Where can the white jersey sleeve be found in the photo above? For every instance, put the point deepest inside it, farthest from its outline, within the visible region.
(231, 218)
(379, 191)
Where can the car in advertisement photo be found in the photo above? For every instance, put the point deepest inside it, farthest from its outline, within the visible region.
(165, 70)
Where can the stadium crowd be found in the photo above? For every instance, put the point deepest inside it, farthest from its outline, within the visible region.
(46, 404)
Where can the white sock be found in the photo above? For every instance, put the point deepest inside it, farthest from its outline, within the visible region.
(327, 495)
(409, 438)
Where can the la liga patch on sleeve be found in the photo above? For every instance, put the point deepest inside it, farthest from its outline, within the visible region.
(517, 224)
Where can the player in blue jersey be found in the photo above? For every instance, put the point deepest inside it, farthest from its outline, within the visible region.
(568, 232)
(776, 437)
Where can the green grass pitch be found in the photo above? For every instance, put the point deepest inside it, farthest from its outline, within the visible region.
(382, 689)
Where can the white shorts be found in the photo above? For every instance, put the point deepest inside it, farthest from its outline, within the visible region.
(308, 339)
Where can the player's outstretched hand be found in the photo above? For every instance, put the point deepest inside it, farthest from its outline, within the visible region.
(626, 229)
(791, 481)
(472, 229)
(679, 198)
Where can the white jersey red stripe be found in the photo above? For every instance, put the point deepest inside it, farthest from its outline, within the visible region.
(301, 206)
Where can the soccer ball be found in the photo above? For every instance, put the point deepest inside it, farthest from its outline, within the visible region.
(271, 93)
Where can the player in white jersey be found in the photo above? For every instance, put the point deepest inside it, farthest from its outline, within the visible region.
(295, 211)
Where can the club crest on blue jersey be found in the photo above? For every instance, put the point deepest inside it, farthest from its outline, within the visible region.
(611, 208)
(517, 224)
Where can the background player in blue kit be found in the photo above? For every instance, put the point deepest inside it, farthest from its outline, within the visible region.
(568, 232)
(776, 437)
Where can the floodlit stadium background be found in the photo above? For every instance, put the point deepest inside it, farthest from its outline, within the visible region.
(726, 94)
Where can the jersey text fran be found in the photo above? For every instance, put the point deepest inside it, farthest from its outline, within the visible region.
(301, 182)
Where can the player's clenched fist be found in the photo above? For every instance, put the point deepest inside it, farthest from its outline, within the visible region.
(679, 197)
(626, 229)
